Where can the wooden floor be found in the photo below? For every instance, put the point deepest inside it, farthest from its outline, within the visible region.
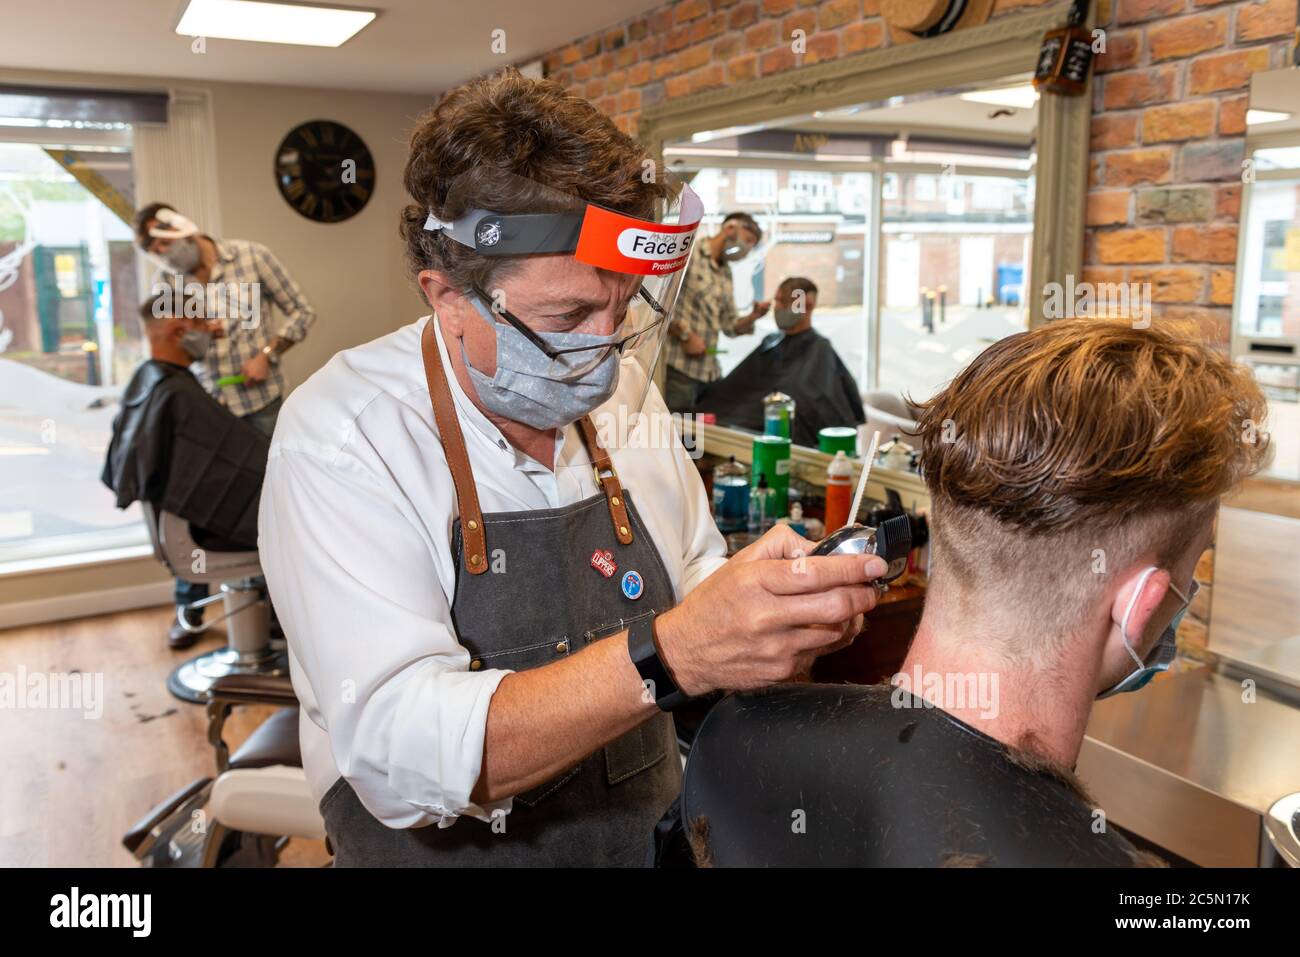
(70, 787)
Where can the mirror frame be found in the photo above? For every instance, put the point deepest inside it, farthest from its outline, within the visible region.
(1007, 45)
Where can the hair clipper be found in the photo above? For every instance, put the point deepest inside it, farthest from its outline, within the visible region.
(891, 540)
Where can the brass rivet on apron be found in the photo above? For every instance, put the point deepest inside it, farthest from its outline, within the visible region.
(615, 500)
(475, 561)
(622, 529)
(475, 665)
(562, 647)
(472, 524)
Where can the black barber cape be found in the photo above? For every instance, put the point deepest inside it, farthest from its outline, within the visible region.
(179, 449)
(842, 776)
(804, 367)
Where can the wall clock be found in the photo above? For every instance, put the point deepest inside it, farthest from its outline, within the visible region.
(324, 171)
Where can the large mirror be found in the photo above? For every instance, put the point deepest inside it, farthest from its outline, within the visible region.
(875, 220)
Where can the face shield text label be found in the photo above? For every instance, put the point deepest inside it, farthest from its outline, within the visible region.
(621, 243)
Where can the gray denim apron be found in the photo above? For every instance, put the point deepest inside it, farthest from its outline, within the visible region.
(528, 592)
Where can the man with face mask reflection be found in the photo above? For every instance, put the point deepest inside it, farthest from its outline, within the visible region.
(1075, 473)
(795, 360)
(177, 448)
(492, 556)
(706, 307)
(240, 286)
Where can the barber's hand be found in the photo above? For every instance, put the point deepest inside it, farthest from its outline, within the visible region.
(759, 311)
(217, 328)
(257, 369)
(695, 345)
(766, 615)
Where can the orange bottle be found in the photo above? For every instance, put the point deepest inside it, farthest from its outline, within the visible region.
(839, 492)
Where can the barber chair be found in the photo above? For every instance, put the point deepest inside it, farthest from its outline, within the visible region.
(250, 650)
(258, 800)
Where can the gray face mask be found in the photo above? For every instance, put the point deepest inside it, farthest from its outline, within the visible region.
(786, 318)
(522, 389)
(196, 343)
(183, 255)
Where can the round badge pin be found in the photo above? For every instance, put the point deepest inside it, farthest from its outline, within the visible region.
(633, 586)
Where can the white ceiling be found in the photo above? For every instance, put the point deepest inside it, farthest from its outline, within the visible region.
(413, 46)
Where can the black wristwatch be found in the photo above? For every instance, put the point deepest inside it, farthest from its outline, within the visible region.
(650, 666)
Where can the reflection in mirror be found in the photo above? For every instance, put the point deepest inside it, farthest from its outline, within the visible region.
(892, 244)
(1266, 327)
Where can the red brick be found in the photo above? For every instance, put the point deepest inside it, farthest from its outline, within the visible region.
(761, 36)
(1226, 71)
(1259, 21)
(836, 13)
(1136, 11)
(625, 57)
(639, 74)
(776, 61)
(743, 68)
(1212, 326)
(709, 28)
(1205, 244)
(1131, 246)
(582, 71)
(1109, 208)
(676, 86)
(695, 57)
(822, 47)
(774, 8)
(629, 100)
(1114, 130)
(1182, 284)
(570, 55)
(1223, 283)
(743, 16)
(856, 37)
(1227, 202)
(1232, 115)
(687, 10)
(1139, 88)
(708, 78)
(805, 20)
(1138, 166)
(1123, 50)
(1179, 121)
(1186, 36)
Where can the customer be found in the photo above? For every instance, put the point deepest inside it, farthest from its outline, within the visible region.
(795, 360)
(1075, 473)
(177, 448)
(238, 284)
(706, 306)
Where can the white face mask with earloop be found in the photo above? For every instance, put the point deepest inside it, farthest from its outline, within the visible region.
(1162, 655)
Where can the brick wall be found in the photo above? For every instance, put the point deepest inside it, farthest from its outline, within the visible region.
(1168, 118)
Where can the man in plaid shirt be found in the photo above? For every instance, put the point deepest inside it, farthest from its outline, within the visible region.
(237, 285)
(706, 306)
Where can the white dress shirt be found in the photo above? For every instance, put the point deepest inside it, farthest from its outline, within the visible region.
(355, 541)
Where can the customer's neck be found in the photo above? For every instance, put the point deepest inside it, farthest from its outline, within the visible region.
(1029, 706)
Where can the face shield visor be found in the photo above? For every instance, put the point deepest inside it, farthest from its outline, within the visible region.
(581, 305)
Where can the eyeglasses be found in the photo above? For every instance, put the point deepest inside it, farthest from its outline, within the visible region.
(579, 360)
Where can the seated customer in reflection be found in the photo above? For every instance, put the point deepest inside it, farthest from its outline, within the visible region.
(179, 449)
(1075, 473)
(795, 360)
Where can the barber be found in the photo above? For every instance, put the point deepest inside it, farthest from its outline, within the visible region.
(494, 594)
(243, 284)
(707, 306)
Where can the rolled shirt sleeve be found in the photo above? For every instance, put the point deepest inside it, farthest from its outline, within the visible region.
(286, 294)
(376, 661)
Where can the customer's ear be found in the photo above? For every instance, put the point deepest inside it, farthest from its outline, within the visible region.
(1144, 590)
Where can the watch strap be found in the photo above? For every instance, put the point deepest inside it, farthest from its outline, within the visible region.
(656, 678)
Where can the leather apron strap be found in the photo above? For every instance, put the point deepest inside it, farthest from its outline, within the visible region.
(453, 446)
(462, 475)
